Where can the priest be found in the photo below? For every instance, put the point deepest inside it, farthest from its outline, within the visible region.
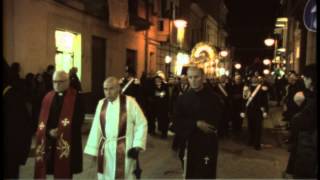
(58, 137)
(118, 133)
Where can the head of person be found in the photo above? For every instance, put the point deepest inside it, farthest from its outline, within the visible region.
(196, 78)
(73, 71)
(130, 72)
(237, 79)
(111, 88)
(38, 78)
(309, 75)
(158, 81)
(292, 77)
(50, 69)
(60, 81)
(223, 79)
(254, 80)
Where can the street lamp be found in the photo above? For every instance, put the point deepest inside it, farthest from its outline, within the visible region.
(266, 62)
(266, 71)
(180, 25)
(224, 53)
(237, 66)
(269, 42)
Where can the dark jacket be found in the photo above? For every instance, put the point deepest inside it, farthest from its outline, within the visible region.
(17, 128)
(304, 131)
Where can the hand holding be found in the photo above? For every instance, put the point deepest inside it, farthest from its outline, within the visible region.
(54, 133)
(205, 127)
(134, 152)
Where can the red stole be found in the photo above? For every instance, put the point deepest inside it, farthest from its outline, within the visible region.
(63, 146)
(121, 141)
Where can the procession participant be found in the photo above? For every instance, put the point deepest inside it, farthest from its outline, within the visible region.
(118, 133)
(223, 89)
(237, 104)
(256, 109)
(198, 113)
(58, 137)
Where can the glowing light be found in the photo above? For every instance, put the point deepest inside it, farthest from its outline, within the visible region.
(284, 61)
(201, 49)
(182, 59)
(282, 49)
(168, 59)
(222, 71)
(180, 23)
(266, 62)
(237, 66)
(266, 71)
(269, 42)
(224, 53)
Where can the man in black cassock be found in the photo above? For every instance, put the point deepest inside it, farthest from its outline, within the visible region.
(198, 113)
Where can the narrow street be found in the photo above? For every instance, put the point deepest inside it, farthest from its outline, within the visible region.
(235, 160)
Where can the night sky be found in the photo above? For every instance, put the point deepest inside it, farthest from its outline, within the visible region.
(249, 22)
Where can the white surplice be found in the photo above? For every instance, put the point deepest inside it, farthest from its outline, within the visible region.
(136, 135)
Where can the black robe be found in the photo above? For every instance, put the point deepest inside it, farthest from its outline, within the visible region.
(17, 132)
(76, 135)
(237, 106)
(191, 107)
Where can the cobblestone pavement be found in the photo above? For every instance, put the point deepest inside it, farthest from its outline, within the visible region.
(235, 160)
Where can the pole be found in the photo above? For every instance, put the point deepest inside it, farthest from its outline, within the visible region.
(146, 40)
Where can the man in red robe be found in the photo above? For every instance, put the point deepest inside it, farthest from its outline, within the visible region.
(58, 138)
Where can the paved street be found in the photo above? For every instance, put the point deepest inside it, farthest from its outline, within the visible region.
(236, 160)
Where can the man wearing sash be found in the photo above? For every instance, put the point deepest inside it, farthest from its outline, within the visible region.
(223, 89)
(130, 85)
(118, 132)
(58, 137)
(237, 104)
(256, 109)
(197, 116)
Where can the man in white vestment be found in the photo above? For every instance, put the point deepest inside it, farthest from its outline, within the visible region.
(124, 134)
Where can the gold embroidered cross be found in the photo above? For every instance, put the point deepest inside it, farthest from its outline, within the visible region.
(206, 159)
(65, 122)
(41, 125)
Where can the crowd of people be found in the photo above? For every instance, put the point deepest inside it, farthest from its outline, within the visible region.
(197, 110)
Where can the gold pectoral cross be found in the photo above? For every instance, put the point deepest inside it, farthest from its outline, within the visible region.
(206, 159)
